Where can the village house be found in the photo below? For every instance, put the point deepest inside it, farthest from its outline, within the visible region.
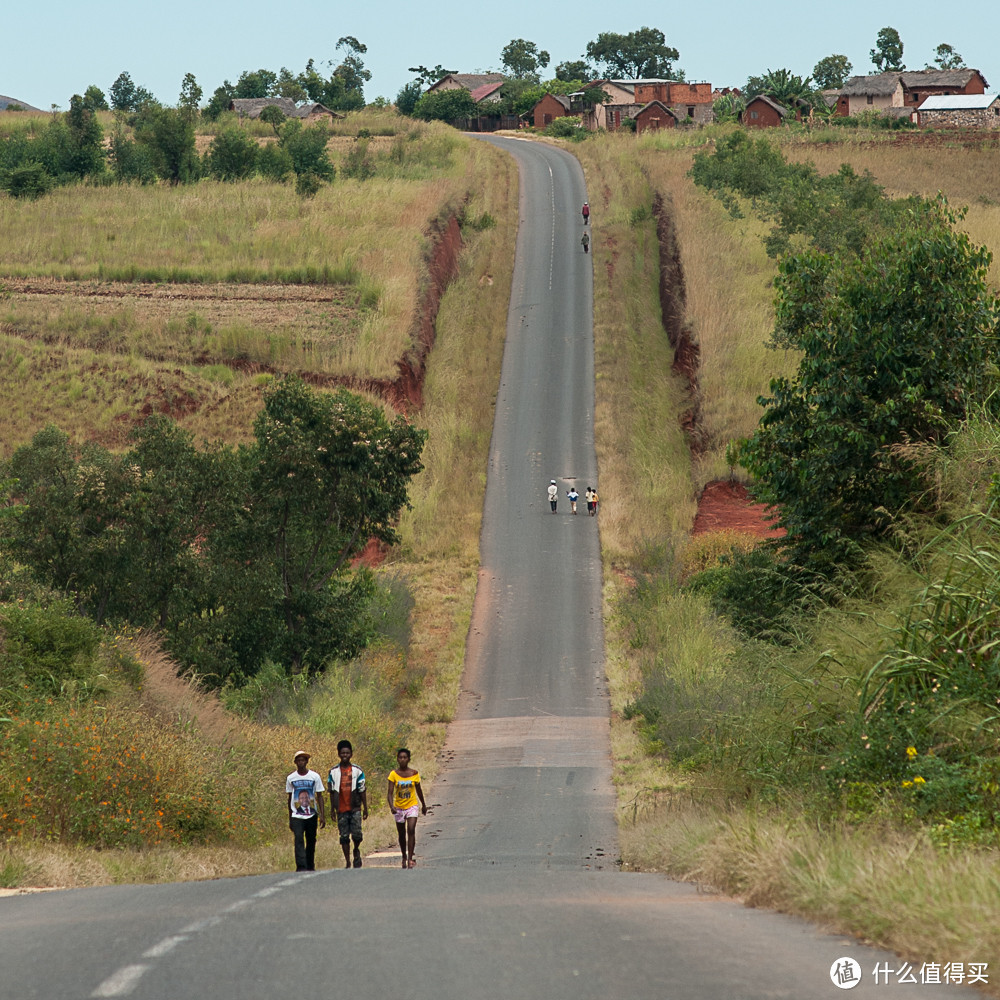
(251, 107)
(878, 92)
(549, 108)
(920, 84)
(655, 116)
(765, 112)
(689, 102)
(487, 92)
(960, 111)
(899, 93)
(471, 82)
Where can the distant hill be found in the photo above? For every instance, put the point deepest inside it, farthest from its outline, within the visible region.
(5, 102)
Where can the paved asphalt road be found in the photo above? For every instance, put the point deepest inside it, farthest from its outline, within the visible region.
(516, 894)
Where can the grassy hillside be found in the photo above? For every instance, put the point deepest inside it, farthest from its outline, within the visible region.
(732, 751)
(232, 285)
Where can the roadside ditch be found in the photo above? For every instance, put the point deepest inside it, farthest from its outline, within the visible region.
(722, 504)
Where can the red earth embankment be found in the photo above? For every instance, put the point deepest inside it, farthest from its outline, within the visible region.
(723, 505)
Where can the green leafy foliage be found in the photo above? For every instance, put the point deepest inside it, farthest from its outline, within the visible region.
(567, 127)
(238, 556)
(640, 54)
(306, 147)
(896, 345)
(445, 105)
(832, 71)
(781, 84)
(887, 56)
(945, 57)
(232, 155)
(523, 59)
(168, 135)
(838, 212)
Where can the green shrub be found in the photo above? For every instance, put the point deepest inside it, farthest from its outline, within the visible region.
(47, 648)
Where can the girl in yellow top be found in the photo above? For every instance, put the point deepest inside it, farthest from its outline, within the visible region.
(402, 793)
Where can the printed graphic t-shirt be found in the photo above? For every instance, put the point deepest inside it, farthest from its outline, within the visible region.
(404, 790)
(303, 788)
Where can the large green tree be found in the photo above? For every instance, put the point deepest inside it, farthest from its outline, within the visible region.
(86, 153)
(425, 76)
(331, 472)
(168, 134)
(232, 155)
(126, 96)
(945, 57)
(574, 70)
(887, 56)
(781, 84)
(832, 72)
(897, 346)
(639, 54)
(190, 97)
(523, 59)
(94, 99)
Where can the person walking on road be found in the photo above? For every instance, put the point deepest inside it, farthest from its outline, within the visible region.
(553, 494)
(573, 497)
(591, 497)
(402, 793)
(586, 242)
(348, 801)
(305, 810)
(586, 213)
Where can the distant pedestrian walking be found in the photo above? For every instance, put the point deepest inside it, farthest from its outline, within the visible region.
(553, 494)
(573, 497)
(586, 213)
(305, 809)
(402, 793)
(591, 497)
(586, 242)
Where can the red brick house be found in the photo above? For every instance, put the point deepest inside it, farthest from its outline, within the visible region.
(655, 116)
(549, 108)
(765, 112)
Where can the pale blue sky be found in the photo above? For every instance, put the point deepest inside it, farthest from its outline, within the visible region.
(57, 48)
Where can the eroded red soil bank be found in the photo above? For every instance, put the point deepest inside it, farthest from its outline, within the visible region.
(723, 505)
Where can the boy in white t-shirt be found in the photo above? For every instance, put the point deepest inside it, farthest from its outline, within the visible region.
(305, 810)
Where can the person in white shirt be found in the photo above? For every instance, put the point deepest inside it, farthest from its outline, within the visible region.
(305, 810)
(553, 494)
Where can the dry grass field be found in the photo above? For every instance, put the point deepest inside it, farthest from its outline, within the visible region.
(120, 301)
(239, 283)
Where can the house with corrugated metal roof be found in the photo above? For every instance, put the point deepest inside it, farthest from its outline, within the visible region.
(960, 111)
(466, 81)
(251, 107)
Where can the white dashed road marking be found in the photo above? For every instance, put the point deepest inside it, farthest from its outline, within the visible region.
(121, 983)
(125, 980)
